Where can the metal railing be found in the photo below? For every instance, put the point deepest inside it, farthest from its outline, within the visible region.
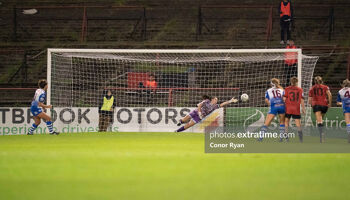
(141, 21)
(271, 13)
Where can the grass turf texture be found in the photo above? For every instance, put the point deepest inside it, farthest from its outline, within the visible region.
(160, 166)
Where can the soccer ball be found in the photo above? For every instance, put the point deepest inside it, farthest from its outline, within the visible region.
(244, 97)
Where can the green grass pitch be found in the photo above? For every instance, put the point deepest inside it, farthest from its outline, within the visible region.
(160, 166)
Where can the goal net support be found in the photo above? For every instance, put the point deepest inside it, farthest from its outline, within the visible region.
(79, 78)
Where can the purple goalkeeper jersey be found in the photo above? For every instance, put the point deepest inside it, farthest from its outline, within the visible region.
(208, 108)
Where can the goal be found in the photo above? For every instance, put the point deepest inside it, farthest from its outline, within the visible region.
(78, 77)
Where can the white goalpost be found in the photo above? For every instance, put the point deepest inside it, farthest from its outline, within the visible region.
(77, 79)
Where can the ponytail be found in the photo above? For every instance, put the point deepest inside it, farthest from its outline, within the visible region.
(318, 80)
(294, 81)
(275, 82)
(346, 83)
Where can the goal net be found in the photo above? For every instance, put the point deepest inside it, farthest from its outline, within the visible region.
(79, 78)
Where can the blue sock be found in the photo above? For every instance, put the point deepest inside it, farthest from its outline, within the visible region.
(49, 126)
(348, 128)
(282, 130)
(32, 129)
(180, 129)
(263, 130)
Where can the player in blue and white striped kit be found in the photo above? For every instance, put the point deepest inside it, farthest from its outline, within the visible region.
(274, 99)
(36, 108)
(343, 99)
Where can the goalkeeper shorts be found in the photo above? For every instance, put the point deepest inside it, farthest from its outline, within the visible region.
(195, 117)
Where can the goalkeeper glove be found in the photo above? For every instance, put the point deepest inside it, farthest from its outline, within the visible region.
(233, 100)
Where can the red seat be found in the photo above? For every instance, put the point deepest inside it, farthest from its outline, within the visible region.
(134, 79)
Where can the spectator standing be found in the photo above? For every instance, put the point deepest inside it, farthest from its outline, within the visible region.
(151, 83)
(290, 62)
(106, 110)
(285, 11)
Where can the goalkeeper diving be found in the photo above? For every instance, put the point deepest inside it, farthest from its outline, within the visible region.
(204, 108)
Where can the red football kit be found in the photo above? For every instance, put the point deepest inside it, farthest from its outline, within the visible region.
(319, 95)
(293, 96)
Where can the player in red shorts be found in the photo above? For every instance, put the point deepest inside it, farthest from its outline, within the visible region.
(321, 99)
(293, 97)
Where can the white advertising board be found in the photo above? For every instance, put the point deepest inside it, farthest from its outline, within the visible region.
(18, 120)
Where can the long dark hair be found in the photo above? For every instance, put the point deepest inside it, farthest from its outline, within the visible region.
(206, 97)
(42, 83)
